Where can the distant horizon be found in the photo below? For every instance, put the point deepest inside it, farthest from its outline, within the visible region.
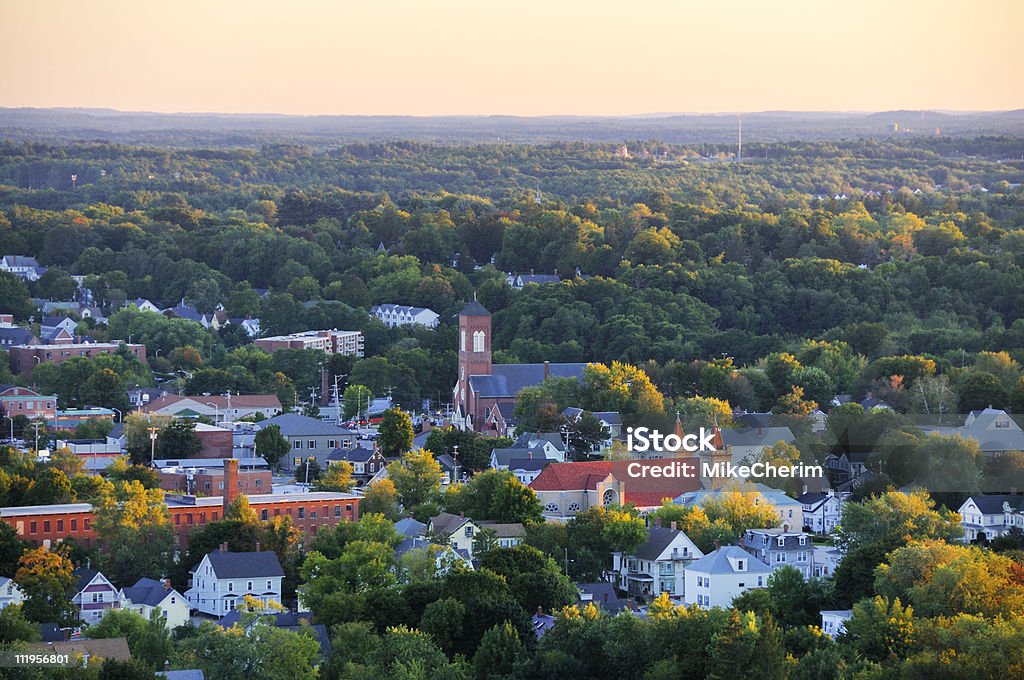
(530, 58)
(641, 114)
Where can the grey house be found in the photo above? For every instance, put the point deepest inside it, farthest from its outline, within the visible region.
(309, 438)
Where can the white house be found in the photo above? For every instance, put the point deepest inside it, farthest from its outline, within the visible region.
(20, 265)
(833, 621)
(657, 565)
(149, 595)
(991, 515)
(93, 594)
(749, 442)
(222, 580)
(779, 548)
(821, 511)
(542, 445)
(715, 579)
(826, 561)
(10, 593)
(400, 315)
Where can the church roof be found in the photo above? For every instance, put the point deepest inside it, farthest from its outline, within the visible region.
(474, 308)
(506, 380)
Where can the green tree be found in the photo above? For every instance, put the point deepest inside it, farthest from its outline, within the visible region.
(623, 388)
(417, 478)
(106, 389)
(264, 652)
(356, 401)
(890, 517)
(494, 495)
(148, 639)
(381, 497)
(178, 439)
(979, 390)
(396, 433)
(14, 626)
(881, 630)
(499, 652)
(271, 445)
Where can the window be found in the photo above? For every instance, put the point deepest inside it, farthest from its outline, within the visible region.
(469, 530)
(337, 511)
(269, 586)
(740, 565)
(297, 459)
(312, 514)
(297, 445)
(332, 444)
(760, 581)
(302, 513)
(258, 483)
(74, 525)
(803, 540)
(780, 557)
(478, 341)
(574, 507)
(312, 444)
(549, 508)
(348, 507)
(231, 587)
(462, 340)
(32, 527)
(263, 514)
(609, 497)
(46, 526)
(782, 541)
(60, 525)
(248, 586)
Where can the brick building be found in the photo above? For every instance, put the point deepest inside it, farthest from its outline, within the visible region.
(50, 524)
(332, 342)
(21, 401)
(201, 477)
(24, 358)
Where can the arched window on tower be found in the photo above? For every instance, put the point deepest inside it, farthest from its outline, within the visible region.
(478, 341)
(462, 340)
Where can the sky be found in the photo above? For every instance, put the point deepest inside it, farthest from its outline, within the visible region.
(520, 57)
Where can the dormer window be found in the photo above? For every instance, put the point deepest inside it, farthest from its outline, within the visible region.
(782, 541)
(741, 565)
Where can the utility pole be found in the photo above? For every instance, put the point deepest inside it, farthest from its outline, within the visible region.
(455, 458)
(36, 427)
(337, 399)
(152, 444)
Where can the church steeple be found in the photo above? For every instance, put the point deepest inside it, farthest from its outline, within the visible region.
(474, 348)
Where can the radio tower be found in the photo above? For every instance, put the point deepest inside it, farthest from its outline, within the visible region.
(739, 137)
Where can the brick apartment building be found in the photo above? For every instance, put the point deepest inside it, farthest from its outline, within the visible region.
(199, 477)
(50, 524)
(23, 358)
(332, 342)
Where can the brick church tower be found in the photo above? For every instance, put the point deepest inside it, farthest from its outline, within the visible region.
(474, 352)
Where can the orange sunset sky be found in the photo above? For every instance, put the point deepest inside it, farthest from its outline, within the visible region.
(526, 57)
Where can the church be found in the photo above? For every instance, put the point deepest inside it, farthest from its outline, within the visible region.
(483, 386)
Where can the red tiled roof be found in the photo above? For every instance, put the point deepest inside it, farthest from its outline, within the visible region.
(642, 491)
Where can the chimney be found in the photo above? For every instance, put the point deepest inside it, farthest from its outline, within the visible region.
(657, 521)
(547, 369)
(805, 488)
(257, 546)
(675, 526)
(167, 584)
(230, 482)
(531, 271)
(462, 514)
(223, 547)
(540, 611)
(718, 544)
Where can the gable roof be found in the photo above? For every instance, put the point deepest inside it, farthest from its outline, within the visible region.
(147, 591)
(717, 562)
(447, 523)
(506, 380)
(103, 648)
(356, 455)
(993, 505)
(245, 564)
(528, 464)
(83, 577)
(532, 440)
(298, 425)
(658, 540)
(409, 527)
(504, 529)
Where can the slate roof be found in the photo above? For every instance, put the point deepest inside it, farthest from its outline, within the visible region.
(776, 497)
(412, 543)
(602, 594)
(658, 539)
(993, 505)
(717, 562)
(446, 522)
(506, 380)
(147, 591)
(409, 527)
(505, 456)
(82, 578)
(610, 417)
(185, 312)
(105, 648)
(400, 309)
(356, 455)
(15, 336)
(474, 308)
(812, 498)
(245, 564)
(528, 464)
(298, 425)
(537, 278)
(22, 261)
(504, 529)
